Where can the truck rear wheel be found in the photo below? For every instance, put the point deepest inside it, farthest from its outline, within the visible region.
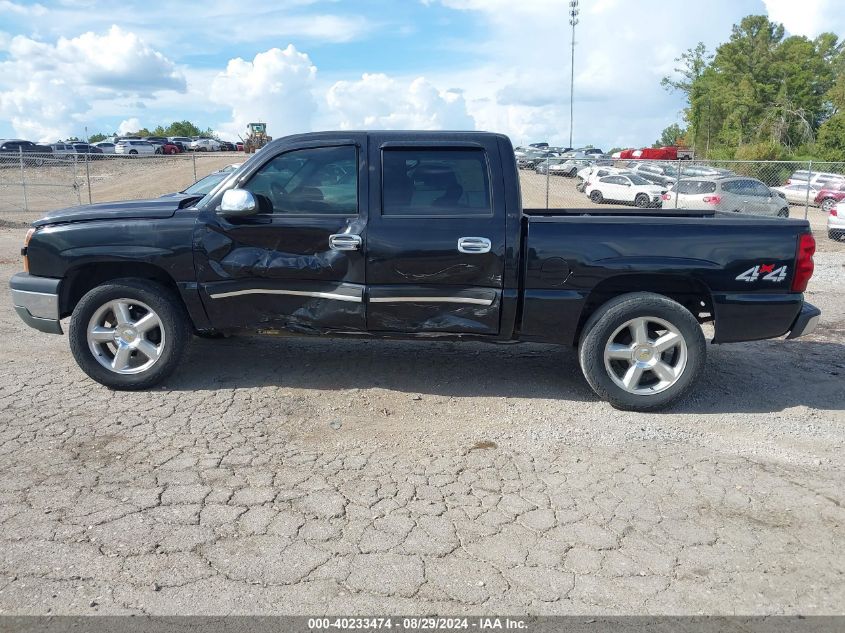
(641, 351)
(129, 333)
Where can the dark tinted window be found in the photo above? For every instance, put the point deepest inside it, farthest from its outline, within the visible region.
(435, 182)
(695, 187)
(745, 188)
(322, 180)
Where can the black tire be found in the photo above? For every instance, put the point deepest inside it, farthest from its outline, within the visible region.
(783, 213)
(133, 153)
(596, 197)
(642, 201)
(172, 316)
(613, 315)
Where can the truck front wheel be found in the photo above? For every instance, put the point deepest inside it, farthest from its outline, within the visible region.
(129, 333)
(641, 351)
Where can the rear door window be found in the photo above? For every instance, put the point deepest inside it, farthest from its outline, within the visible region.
(695, 187)
(435, 182)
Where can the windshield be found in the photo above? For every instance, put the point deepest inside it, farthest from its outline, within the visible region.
(204, 185)
(227, 178)
(639, 180)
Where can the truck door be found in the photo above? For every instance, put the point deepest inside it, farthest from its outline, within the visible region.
(298, 264)
(436, 237)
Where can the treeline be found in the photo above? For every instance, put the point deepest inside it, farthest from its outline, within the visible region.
(177, 128)
(762, 96)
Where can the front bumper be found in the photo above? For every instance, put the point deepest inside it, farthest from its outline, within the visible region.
(36, 300)
(806, 321)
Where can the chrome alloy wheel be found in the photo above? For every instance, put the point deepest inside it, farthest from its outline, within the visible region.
(645, 356)
(126, 336)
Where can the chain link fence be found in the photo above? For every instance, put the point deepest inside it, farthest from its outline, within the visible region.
(808, 190)
(37, 183)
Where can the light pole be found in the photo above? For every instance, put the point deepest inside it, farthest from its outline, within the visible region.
(573, 20)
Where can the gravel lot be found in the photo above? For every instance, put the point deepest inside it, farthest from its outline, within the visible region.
(328, 476)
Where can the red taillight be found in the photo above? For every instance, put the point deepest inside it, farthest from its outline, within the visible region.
(587, 184)
(803, 262)
(665, 196)
(834, 213)
(712, 199)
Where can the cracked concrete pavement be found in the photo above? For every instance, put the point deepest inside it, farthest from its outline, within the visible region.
(328, 476)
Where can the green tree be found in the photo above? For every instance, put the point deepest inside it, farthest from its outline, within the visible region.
(99, 136)
(687, 79)
(671, 135)
(830, 144)
(760, 89)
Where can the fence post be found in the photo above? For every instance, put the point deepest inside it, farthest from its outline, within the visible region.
(678, 169)
(88, 177)
(194, 160)
(807, 199)
(76, 180)
(548, 173)
(23, 181)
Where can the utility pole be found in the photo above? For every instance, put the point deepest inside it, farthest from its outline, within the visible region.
(573, 20)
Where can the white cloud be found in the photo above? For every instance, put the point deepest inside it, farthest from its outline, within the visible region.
(274, 87)
(809, 17)
(47, 89)
(377, 101)
(521, 86)
(129, 126)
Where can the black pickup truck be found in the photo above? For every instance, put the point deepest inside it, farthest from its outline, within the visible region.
(411, 235)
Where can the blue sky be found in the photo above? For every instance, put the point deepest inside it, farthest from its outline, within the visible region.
(500, 65)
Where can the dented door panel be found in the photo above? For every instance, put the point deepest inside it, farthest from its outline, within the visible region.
(279, 270)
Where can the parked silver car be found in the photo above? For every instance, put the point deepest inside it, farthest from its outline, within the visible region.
(729, 193)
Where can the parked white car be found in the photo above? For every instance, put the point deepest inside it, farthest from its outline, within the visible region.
(596, 171)
(205, 145)
(797, 193)
(106, 146)
(836, 221)
(625, 188)
(134, 148)
(817, 179)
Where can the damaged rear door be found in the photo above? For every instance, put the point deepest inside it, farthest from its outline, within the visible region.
(436, 236)
(298, 264)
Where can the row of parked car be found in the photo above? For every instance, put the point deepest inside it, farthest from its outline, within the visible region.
(650, 183)
(699, 187)
(165, 145)
(128, 146)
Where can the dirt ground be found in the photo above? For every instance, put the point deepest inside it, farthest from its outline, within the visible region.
(331, 476)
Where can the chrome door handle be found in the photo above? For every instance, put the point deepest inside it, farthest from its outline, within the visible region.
(474, 245)
(344, 242)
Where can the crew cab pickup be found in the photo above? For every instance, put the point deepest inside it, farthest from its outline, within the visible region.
(411, 235)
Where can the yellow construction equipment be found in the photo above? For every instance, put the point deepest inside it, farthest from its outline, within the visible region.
(256, 137)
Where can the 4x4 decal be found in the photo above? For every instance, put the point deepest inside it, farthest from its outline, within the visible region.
(766, 272)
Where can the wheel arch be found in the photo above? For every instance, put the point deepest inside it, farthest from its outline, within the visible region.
(81, 279)
(691, 293)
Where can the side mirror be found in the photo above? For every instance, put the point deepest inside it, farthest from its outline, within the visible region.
(237, 202)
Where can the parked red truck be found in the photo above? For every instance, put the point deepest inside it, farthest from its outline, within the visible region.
(656, 153)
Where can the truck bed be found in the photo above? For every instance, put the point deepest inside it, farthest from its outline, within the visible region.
(572, 256)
